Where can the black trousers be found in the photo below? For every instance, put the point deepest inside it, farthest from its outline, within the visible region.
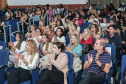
(18, 76)
(92, 79)
(51, 77)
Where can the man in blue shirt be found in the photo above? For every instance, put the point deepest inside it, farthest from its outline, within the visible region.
(114, 38)
(97, 64)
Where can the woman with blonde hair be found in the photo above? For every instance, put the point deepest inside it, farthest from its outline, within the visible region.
(86, 37)
(76, 49)
(25, 62)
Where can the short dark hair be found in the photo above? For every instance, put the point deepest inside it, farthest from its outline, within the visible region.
(39, 30)
(60, 45)
(113, 26)
(61, 31)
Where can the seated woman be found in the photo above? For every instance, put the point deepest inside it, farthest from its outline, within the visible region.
(77, 23)
(31, 32)
(58, 24)
(45, 48)
(76, 49)
(58, 66)
(73, 30)
(48, 30)
(42, 25)
(24, 63)
(95, 31)
(37, 37)
(80, 21)
(17, 46)
(86, 37)
(59, 37)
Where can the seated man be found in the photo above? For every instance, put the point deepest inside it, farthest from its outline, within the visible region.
(113, 38)
(97, 64)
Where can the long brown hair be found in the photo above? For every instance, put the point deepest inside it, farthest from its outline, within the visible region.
(22, 38)
(43, 43)
(33, 49)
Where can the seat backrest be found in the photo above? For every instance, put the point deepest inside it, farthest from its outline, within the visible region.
(85, 25)
(4, 54)
(70, 60)
(14, 27)
(112, 50)
(123, 66)
(2, 45)
(67, 39)
(13, 20)
(13, 39)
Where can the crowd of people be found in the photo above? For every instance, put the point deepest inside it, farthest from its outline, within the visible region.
(46, 44)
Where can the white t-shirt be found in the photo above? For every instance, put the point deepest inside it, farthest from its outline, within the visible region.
(37, 43)
(22, 48)
(91, 20)
(103, 26)
(62, 39)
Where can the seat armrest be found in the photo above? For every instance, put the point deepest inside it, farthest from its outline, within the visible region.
(42, 71)
(2, 66)
(118, 77)
(35, 75)
(70, 76)
(8, 68)
(76, 74)
(69, 71)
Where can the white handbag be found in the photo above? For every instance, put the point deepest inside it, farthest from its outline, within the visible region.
(77, 64)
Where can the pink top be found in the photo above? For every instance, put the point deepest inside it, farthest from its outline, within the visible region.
(79, 21)
(50, 14)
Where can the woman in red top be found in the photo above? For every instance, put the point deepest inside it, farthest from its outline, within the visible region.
(86, 37)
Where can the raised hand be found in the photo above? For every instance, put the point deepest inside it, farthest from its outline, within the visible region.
(21, 56)
(90, 58)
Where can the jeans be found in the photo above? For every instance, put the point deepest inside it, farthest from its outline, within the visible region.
(92, 79)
